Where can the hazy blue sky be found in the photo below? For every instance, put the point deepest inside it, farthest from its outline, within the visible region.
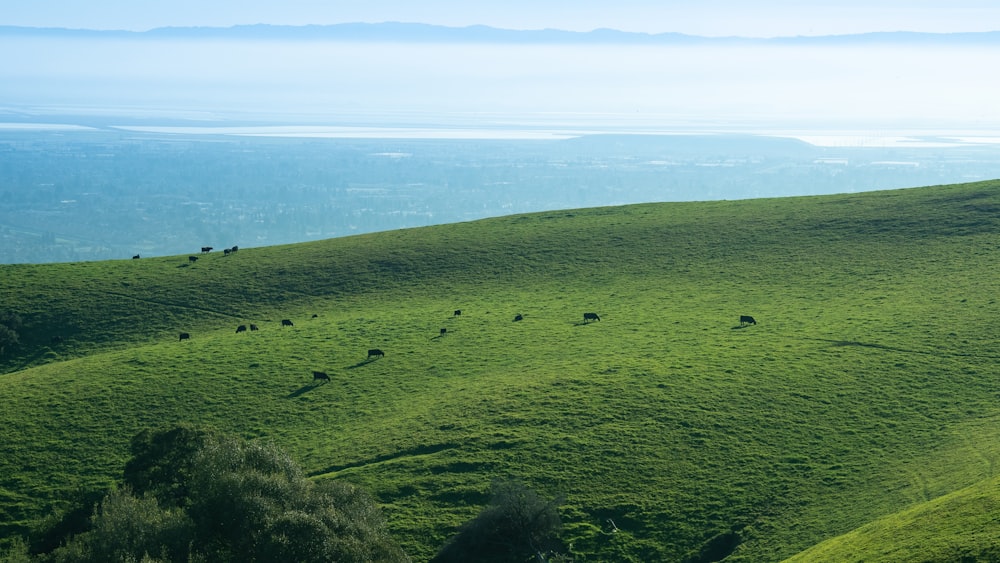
(761, 18)
(891, 86)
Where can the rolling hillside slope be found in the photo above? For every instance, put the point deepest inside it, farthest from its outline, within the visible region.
(867, 386)
(960, 526)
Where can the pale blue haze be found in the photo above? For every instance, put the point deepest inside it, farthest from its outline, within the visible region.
(702, 17)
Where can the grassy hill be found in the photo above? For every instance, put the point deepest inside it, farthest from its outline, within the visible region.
(867, 387)
(961, 526)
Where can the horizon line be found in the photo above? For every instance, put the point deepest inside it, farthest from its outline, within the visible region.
(603, 33)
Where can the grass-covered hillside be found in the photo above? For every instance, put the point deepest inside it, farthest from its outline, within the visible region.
(868, 387)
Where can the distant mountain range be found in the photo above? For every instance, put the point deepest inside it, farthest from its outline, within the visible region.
(426, 33)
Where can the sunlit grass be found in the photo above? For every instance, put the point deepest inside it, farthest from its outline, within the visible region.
(867, 386)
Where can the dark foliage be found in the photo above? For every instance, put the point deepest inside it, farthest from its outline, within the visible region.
(58, 526)
(717, 548)
(10, 323)
(516, 526)
(163, 462)
(193, 495)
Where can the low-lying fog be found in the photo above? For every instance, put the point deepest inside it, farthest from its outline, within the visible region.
(871, 85)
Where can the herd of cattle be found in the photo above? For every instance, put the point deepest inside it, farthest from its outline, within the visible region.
(204, 250)
(377, 353)
(322, 375)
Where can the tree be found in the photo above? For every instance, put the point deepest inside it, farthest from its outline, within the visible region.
(130, 528)
(8, 339)
(195, 495)
(516, 526)
(10, 323)
(162, 462)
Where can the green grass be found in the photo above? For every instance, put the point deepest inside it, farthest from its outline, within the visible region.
(868, 387)
(960, 526)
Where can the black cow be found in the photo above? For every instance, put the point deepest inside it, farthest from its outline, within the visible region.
(747, 320)
(192, 258)
(241, 328)
(286, 322)
(376, 353)
(206, 249)
(234, 249)
(458, 312)
(320, 375)
(253, 327)
(518, 317)
(226, 251)
(587, 317)
(444, 331)
(136, 257)
(184, 336)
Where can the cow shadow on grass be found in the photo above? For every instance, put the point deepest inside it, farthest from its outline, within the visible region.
(364, 362)
(302, 390)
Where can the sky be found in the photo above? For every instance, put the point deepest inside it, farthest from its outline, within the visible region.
(761, 18)
(890, 87)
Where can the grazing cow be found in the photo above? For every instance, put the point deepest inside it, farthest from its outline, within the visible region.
(136, 257)
(184, 336)
(747, 320)
(315, 316)
(192, 258)
(587, 317)
(234, 249)
(206, 249)
(518, 317)
(226, 251)
(253, 327)
(376, 353)
(458, 312)
(320, 375)
(444, 331)
(241, 328)
(286, 322)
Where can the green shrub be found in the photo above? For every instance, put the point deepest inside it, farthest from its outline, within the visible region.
(211, 497)
(130, 528)
(517, 525)
(16, 551)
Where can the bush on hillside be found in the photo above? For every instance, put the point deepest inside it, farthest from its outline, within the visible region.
(192, 495)
(517, 525)
(10, 323)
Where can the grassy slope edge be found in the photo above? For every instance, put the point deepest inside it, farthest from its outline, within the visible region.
(960, 526)
(867, 386)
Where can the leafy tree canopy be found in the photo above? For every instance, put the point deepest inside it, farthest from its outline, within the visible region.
(517, 525)
(194, 495)
(10, 323)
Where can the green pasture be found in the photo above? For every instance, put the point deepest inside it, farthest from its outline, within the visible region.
(867, 388)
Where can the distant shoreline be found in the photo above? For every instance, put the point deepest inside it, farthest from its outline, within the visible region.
(819, 137)
(411, 32)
